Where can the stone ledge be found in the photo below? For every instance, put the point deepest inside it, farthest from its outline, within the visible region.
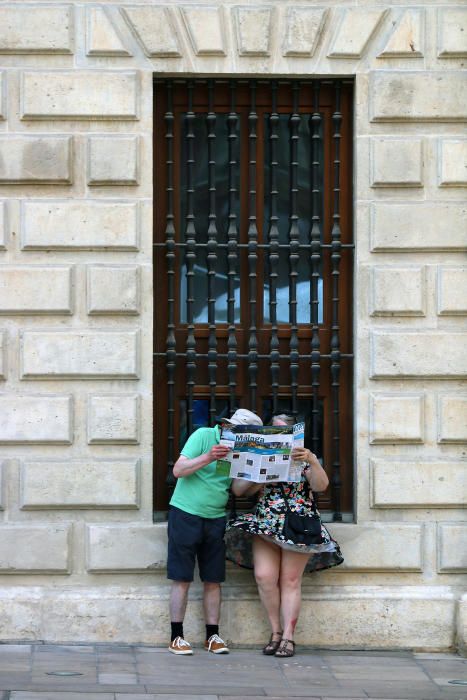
(345, 617)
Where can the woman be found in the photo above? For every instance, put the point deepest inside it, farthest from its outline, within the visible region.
(279, 563)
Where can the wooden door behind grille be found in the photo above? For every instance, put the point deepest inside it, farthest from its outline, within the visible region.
(253, 264)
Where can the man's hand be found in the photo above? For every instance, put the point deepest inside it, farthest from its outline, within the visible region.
(217, 452)
(184, 466)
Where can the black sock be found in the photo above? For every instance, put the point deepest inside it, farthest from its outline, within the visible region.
(211, 629)
(177, 630)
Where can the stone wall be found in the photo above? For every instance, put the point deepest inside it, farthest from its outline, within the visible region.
(80, 558)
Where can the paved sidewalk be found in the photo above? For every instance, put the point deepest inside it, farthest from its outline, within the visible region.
(113, 672)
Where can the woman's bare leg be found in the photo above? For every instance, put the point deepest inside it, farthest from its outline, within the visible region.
(267, 562)
(290, 583)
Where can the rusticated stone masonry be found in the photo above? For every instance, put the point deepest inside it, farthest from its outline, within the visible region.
(76, 205)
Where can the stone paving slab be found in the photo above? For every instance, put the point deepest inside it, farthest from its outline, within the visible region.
(124, 672)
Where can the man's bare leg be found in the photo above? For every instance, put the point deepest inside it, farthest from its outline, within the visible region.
(178, 600)
(212, 603)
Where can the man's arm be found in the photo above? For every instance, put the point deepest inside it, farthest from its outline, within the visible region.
(185, 466)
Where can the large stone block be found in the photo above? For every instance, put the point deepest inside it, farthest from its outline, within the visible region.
(452, 418)
(453, 163)
(421, 484)
(3, 467)
(461, 625)
(398, 354)
(36, 419)
(452, 290)
(36, 29)
(417, 226)
(80, 484)
(452, 547)
(405, 96)
(3, 93)
(408, 37)
(113, 161)
(304, 27)
(396, 162)
(397, 418)
(253, 25)
(3, 342)
(153, 27)
(40, 159)
(113, 289)
(113, 418)
(398, 291)
(379, 546)
(3, 225)
(452, 32)
(354, 32)
(129, 547)
(205, 27)
(32, 549)
(102, 37)
(84, 224)
(29, 289)
(98, 354)
(79, 95)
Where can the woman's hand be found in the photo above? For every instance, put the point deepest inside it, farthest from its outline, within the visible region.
(316, 476)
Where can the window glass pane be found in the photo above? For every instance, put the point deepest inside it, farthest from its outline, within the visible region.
(304, 207)
(201, 211)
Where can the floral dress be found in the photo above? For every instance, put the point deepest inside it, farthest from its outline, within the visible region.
(267, 521)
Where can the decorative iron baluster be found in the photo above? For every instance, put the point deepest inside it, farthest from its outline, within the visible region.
(232, 255)
(212, 253)
(171, 355)
(190, 257)
(315, 260)
(252, 247)
(273, 246)
(335, 341)
(294, 239)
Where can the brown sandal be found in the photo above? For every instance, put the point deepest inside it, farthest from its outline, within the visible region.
(273, 645)
(284, 649)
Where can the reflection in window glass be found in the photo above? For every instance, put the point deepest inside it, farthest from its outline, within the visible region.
(304, 205)
(201, 211)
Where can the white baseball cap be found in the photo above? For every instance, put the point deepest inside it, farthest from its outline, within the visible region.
(243, 416)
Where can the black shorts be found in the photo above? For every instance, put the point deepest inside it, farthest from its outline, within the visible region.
(191, 537)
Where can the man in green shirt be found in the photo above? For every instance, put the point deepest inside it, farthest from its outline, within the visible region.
(196, 530)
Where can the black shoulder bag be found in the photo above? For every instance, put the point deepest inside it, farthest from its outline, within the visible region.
(301, 529)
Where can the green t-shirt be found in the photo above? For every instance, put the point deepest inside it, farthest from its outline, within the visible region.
(205, 492)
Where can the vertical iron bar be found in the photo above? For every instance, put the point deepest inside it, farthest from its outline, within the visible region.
(232, 255)
(212, 253)
(315, 261)
(252, 247)
(171, 356)
(190, 257)
(273, 246)
(335, 341)
(294, 239)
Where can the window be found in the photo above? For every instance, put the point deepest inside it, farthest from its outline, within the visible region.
(253, 263)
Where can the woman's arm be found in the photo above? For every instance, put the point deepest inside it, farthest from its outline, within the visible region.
(315, 474)
(242, 487)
